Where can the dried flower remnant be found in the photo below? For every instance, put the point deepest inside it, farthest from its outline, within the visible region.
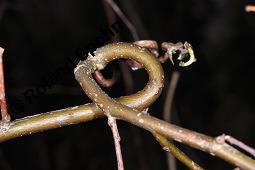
(184, 49)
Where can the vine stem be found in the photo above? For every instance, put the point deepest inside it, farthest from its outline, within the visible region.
(170, 147)
(83, 113)
(172, 150)
(83, 74)
(141, 100)
(127, 111)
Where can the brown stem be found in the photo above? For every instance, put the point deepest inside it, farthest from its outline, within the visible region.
(110, 16)
(168, 111)
(131, 63)
(128, 83)
(120, 14)
(110, 106)
(103, 81)
(170, 95)
(98, 75)
(127, 77)
(111, 121)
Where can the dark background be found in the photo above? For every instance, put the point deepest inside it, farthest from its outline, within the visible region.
(214, 96)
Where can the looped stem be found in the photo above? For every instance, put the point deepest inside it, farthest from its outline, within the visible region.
(103, 55)
(87, 112)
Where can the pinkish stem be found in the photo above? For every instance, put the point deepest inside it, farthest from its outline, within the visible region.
(4, 112)
(112, 123)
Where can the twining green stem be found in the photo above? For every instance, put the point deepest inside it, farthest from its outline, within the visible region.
(83, 74)
(154, 69)
(170, 147)
(140, 100)
(50, 120)
(55, 119)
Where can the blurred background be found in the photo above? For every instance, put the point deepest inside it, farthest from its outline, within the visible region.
(213, 96)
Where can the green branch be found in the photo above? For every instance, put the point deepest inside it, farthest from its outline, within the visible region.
(83, 74)
(123, 107)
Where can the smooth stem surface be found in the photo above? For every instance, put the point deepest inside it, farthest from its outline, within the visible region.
(170, 147)
(83, 74)
(123, 50)
(83, 113)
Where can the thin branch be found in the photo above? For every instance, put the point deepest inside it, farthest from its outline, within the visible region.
(131, 63)
(98, 75)
(112, 123)
(168, 110)
(171, 148)
(236, 142)
(250, 8)
(171, 49)
(5, 116)
(127, 77)
(170, 95)
(111, 17)
(120, 14)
